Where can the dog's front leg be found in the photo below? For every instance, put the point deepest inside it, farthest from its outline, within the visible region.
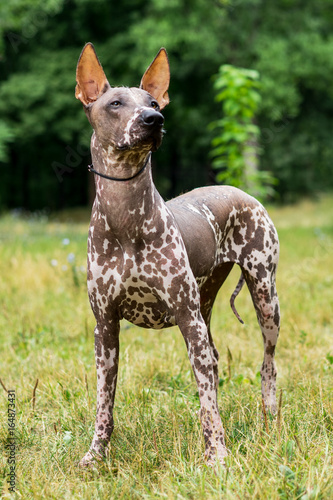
(107, 355)
(197, 342)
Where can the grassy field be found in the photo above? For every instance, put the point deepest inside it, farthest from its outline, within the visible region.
(46, 334)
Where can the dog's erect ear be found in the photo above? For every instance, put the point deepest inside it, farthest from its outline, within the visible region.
(90, 77)
(157, 78)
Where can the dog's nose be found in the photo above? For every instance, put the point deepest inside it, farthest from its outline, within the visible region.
(152, 118)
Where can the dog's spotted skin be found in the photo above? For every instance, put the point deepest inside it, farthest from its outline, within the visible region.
(160, 264)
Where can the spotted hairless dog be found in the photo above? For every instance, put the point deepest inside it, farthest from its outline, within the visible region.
(160, 264)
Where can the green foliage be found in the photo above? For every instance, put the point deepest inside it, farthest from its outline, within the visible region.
(295, 66)
(156, 451)
(40, 43)
(6, 136)
(235, 147)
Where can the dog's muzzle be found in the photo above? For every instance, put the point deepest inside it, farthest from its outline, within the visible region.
(152, 122)
(147, 129)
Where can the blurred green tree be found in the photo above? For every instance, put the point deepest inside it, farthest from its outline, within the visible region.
(235, 145)
(40, 43)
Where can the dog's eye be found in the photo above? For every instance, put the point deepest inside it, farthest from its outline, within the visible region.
(115, 104)
(154, 104)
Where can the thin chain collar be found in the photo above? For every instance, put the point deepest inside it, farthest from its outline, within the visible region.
(120, 179)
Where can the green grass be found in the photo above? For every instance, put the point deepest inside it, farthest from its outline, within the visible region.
(46, 333)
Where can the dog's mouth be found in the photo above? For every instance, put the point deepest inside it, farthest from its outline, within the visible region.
(157, 141)
(151, 141)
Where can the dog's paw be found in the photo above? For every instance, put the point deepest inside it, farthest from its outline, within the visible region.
(89, 461)
(215, 456)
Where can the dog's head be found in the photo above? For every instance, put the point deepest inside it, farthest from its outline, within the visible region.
(124, 118)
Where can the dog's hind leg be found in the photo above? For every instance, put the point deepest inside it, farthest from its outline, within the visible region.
(208, 294)
(266, 303)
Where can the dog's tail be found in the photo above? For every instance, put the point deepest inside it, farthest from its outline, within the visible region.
(234, 295)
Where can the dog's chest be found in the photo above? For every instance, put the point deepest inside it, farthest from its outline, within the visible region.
(142, 277)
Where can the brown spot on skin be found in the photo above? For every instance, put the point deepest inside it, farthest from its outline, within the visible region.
(237, 236)
(277, 315)
(147, 269)
(261, 271)
(158, 243)
(270, 348)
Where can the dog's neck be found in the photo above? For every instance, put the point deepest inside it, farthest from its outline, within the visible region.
(110, 160)
(125, 204)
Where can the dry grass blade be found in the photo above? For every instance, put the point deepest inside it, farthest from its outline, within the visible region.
(3, 385)
(229, 360)
(34, 396)
(265, 415)
(279, 415)
(86, 384)
(298, 443)
(155, 443)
